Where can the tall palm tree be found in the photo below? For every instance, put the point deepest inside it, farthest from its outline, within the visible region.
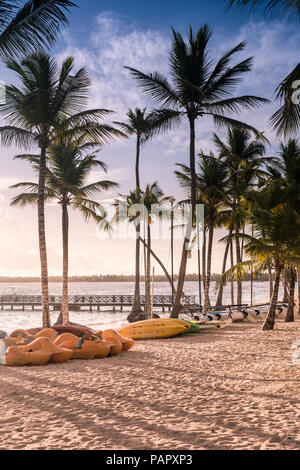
(128, 203)
(211, 181)
(24, 29)
(49, 102)
(153, 196)
(244, 159)
(67, 184)
(199, 89)
(143, 126)
(136, 207)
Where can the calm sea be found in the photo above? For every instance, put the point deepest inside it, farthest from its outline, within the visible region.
(10, 320)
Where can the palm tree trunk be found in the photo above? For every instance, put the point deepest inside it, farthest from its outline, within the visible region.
(208, 273)
(65, 235)
(284, 280)
(298, 276)
(204, 260)
(137, 162)
(238, 260)
(232, 279)
(42, 240)
(270, 320)
(221, 288)
(291, 304)
(184, 256)
(148, 277)
(270, 281)
(136, 306)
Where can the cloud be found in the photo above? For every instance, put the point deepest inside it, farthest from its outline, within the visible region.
(113, 44)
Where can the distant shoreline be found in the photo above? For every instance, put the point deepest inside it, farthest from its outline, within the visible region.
(114, 278)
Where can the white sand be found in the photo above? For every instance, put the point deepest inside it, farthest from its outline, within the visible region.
(235, 388)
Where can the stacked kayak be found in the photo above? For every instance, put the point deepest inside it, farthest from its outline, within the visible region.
(47, 346)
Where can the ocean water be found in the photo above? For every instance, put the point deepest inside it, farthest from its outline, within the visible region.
(11, 320)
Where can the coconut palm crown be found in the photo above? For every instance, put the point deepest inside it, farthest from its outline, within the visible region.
(198, 89)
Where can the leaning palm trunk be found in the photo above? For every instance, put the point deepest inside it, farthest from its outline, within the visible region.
(42, 240)
(291, 304)
(148, 276)
(238, 261)
(208, 272)
(187, 239)
(65, 293)
(161, 265)
(221, 288)
(270, 320)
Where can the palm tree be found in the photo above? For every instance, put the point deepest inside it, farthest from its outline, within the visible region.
(143, 126)
(243, 157)
(286, 121)
(152, 197)
(198, 90)
(67, 183)
(135, 207)
(49, 102)
(285, 170)
(275, 241)
(128, 203)
(211, 181)
(24, 29)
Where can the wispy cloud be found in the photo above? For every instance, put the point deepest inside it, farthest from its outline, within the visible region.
(116, 43)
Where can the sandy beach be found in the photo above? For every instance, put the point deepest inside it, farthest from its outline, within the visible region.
(235, 388)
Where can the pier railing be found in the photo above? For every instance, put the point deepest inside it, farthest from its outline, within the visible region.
(83, 300)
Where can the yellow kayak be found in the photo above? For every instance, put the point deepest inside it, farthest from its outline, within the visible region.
(155, 329)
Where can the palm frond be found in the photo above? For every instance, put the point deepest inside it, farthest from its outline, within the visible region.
(99, 186)
(36, 24)
(26, 199)
(286, 121)
(156, 87)
(236, 104)
(10, 135)
(289, 8)
(225, 122)
(162, 120)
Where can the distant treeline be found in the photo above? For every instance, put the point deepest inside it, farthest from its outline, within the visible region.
(118, 278)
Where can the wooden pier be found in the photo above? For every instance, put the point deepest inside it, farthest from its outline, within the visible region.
(84, 302)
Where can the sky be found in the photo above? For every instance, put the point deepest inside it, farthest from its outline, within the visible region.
(105, 37)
